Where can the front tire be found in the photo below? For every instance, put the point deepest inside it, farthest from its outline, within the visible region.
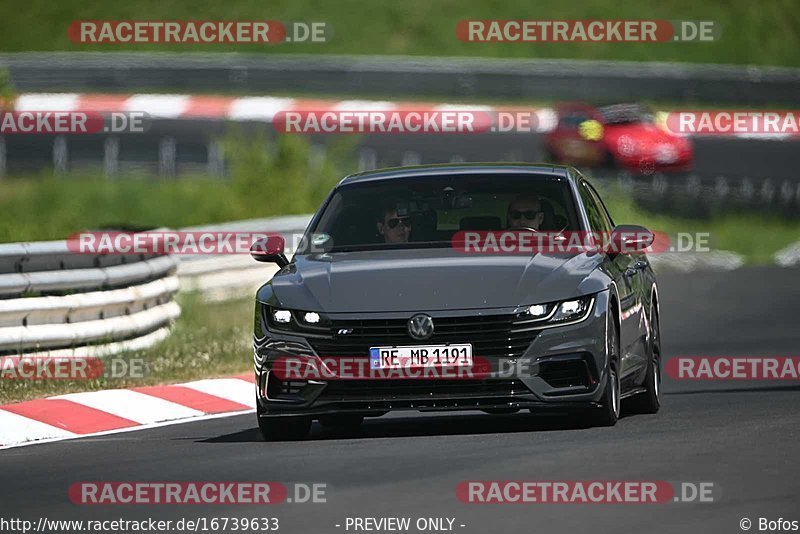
(608, 413)
(649, 401)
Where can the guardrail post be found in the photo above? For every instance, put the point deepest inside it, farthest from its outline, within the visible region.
(786, 192)
(367, 159)
(410, 158)
(721, 188)
(111, 156)
(166, 157)
(216, 159)
(316, 157)
(60, 155)
(747, 189)
(2, 156)
(767, 191)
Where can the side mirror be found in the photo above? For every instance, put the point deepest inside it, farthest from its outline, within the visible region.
(629, 238)
(269, 249)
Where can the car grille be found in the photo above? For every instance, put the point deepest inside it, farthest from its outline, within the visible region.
(354, 390)
(491, 336)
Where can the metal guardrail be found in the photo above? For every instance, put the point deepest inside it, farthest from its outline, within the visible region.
(52, 299)
(694, 196)
(49, 267)
(78, 307)
(56, 302)
(395, 75)
(19, 339)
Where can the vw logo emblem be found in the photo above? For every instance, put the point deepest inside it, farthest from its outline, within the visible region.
(420, 326)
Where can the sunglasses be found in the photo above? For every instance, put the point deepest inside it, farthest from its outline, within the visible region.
(528, 214)
(392, 223)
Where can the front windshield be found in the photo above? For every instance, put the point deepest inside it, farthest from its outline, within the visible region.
(420, 212)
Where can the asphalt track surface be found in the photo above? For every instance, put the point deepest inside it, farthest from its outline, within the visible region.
(742, 436)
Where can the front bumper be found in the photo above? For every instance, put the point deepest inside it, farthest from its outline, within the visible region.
(563, 368)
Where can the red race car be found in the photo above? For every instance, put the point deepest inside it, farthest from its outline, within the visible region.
(623, 135)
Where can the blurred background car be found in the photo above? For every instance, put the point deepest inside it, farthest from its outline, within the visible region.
(624, 136)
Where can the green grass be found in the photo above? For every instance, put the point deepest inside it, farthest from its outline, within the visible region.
(261, 183)
(765, 33)
(209, 340)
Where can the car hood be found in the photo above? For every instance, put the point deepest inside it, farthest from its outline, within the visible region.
(430, 280)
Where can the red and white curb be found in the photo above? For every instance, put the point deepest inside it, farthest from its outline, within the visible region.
(250, 108)
(265, 108)
(92, 413)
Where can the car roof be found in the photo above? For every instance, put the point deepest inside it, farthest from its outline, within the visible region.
(446, 169)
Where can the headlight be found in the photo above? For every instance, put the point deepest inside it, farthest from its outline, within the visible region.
(311, 317)
(282, 316)
(538, 310)
(535, 313)
(283, 319)
(553, 312)
(571, 309)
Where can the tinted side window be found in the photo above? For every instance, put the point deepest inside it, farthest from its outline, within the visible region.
(597, 221)
(603, 210)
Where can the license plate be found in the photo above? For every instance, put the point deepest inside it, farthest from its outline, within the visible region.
(420, 356)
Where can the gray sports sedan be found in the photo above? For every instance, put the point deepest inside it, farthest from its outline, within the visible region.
(493, 287)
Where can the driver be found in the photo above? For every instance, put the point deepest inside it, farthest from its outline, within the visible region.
(525, 211)
(395, 225)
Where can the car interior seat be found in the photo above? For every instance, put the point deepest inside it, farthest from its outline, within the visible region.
(481, 222)
(355, 226)
(423, 226)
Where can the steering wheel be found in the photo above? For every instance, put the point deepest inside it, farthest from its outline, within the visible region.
(528, 228)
